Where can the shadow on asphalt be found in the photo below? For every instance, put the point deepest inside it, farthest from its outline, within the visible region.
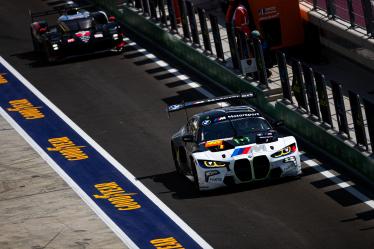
(35, 60)
(182, 188)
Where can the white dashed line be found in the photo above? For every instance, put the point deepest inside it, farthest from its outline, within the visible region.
(340, 183)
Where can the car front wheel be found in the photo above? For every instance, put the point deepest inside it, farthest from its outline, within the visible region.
(195, 176)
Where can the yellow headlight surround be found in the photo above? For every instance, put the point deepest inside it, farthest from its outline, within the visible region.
(285, 151)
(213, 164)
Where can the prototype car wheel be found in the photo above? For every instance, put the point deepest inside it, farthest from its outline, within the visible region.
(35, 44)
(50, 57)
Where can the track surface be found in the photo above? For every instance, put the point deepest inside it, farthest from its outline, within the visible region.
(120, 100)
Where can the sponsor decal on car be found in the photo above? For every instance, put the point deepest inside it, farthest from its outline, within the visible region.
(117, 196)
(206, 122)
(67, 149)
(26, 109)
(83, 35)
(210, 173)
(241, 151)
(166, 243)
(3, 79)
(244, 115)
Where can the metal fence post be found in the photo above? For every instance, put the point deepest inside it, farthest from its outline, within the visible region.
(283, 75)
(341, 114)
(161, 8)
(146, 10)
(216, 37)
(173, 20)
(315, 4)
(152, 7)
(298, 85)
(260, 61)
(358, 120)
(352, 20)
(324, 105)
(330, 8)
(191, 15)
(184, 20)
(233, 46)
(369, 110)
(311, 90)
(138, 4)
(204, 30)
(369, 18)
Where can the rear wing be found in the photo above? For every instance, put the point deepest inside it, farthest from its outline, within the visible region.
(186, 105)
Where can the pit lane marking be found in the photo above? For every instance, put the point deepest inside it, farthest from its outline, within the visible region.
(77, 188)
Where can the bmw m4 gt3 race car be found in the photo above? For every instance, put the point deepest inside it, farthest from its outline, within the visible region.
(231, 145)
(77, 31)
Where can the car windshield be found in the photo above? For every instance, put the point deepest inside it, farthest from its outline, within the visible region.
(77, 24)
(246, 127)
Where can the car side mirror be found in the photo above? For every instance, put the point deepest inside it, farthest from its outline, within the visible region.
(187, 138)
(278, 123)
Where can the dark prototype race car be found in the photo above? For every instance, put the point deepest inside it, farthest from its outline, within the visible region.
(77, 32)
(231, 145)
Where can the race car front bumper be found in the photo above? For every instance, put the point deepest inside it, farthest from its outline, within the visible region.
(244, 170)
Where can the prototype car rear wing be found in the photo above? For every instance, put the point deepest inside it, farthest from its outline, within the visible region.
(185, 105)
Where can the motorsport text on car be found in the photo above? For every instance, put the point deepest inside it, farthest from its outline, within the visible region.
(231, 145)
(76, 32)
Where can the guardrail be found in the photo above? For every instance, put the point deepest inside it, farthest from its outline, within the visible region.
(306, 84)
(356, 12)
(309, 90)
(171, 13)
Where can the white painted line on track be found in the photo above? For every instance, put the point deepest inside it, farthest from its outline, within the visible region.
(106, 155)
(340, 183)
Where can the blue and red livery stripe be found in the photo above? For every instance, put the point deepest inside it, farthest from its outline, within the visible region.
(241, 151)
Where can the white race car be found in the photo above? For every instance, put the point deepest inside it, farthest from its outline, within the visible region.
(231, 145)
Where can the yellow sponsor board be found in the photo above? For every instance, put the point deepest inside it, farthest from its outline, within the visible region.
(25, 108)
(117, 196)
(67, 148)
(166, 243)
(3, 79)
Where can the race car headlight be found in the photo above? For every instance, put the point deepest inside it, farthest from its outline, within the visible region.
(285, 151)
(212, 164)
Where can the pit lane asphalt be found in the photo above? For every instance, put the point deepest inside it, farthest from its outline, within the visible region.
(120, 101)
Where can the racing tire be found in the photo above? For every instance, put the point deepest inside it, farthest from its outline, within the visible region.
(196, 184)
(48, 54)
(35, 44)
(176, 160)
